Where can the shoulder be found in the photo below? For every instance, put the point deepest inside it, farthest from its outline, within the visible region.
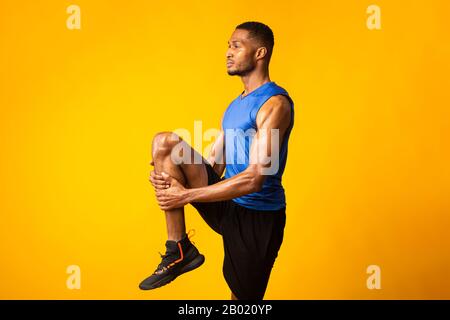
(278, 105)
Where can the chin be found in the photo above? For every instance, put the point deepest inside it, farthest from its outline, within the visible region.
(234, 72)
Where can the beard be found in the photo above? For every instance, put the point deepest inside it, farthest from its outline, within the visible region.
(241, 71)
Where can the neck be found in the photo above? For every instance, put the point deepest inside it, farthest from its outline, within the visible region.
(254, 80)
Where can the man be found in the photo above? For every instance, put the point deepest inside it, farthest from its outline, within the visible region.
(247, 206)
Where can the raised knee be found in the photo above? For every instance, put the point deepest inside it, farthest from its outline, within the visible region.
(164, 142)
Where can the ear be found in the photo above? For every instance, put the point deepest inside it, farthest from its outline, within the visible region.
(261, 52)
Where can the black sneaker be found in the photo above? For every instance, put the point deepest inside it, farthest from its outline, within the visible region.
(181, 256)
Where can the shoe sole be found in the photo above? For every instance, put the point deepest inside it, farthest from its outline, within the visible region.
(194, 264)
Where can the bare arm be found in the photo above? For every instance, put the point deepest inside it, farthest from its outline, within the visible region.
(274, 114)
(217, 156)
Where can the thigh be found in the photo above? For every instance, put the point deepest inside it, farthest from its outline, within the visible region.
(199, 173)
(193, 166)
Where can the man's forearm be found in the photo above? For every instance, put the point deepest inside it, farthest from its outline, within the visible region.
(239, 185)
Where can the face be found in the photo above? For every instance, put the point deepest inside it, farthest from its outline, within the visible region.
(241, 53)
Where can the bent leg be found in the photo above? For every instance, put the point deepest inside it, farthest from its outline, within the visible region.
(188, 173)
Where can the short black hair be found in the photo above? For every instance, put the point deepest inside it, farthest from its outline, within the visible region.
(261, 32)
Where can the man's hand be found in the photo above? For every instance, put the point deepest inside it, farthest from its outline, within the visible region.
(171, 197)
(158, 181)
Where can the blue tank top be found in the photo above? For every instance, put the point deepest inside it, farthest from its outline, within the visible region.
(239, 126)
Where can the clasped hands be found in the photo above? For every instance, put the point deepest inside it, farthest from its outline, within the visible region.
(170, 193)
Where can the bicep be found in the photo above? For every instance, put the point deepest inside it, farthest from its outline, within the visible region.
(272, 122)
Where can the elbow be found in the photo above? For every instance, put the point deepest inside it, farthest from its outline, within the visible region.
(256, 183)
(256, 188)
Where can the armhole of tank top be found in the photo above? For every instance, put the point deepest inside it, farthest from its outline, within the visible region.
(290, 102)
(291, 124)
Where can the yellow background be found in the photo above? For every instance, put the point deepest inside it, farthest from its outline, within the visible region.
(368, 173)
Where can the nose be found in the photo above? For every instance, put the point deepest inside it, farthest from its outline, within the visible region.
(229, 54)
